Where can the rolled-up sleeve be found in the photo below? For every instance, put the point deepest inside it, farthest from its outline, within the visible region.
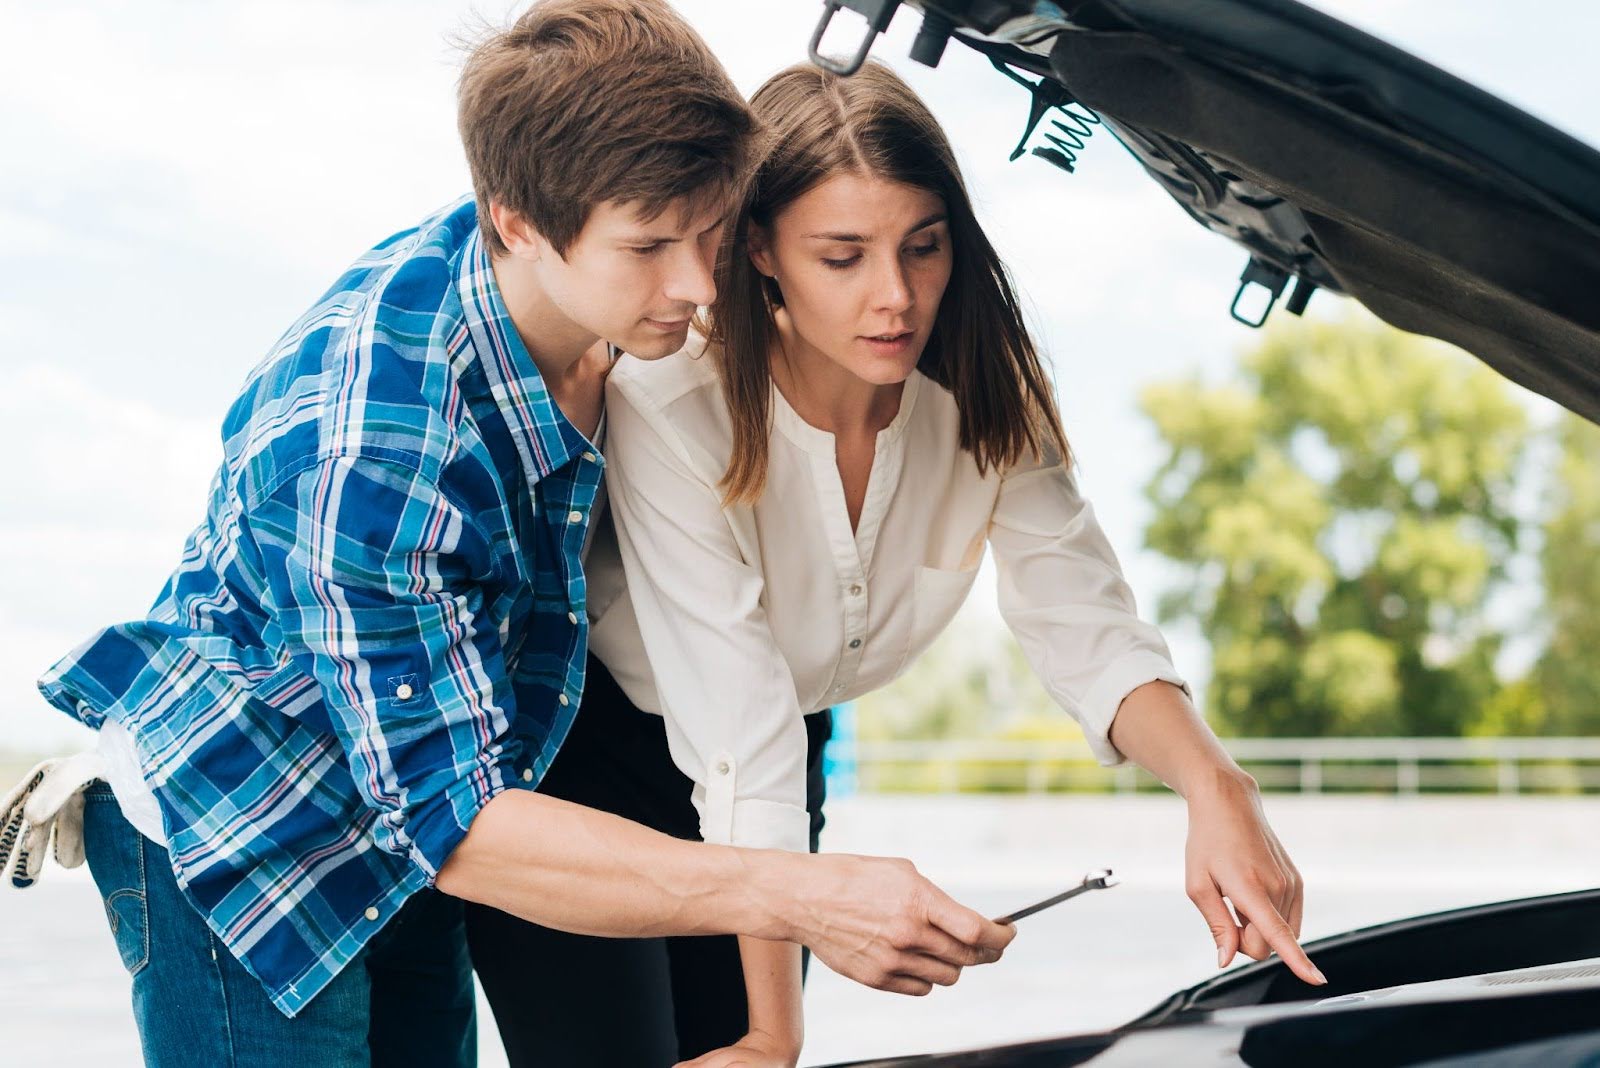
(1063, 595)
(377, 578)
(733, 719)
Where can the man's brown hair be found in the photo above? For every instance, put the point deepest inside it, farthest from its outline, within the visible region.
(819, 125)
(581, 102)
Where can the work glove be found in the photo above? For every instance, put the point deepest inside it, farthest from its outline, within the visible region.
(48, 802)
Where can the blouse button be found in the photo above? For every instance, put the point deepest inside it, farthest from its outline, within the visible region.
(855, 643)
(371, 913)
(722, 767)
(855, 591)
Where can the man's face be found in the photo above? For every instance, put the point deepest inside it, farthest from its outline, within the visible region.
(632, 282)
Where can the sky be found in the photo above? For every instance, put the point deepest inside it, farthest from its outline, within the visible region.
(181, 181)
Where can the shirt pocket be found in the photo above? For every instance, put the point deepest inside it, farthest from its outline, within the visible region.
(935, 596)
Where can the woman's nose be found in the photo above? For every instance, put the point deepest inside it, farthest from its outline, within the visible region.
(893, 292)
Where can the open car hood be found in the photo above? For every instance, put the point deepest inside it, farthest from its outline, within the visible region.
(1338, 161)
(1512, 983)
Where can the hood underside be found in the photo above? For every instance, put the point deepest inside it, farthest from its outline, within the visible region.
(1339, 162)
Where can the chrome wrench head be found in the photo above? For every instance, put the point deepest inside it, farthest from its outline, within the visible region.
(1100, 880)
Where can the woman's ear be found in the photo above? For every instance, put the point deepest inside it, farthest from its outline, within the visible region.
(760, 244)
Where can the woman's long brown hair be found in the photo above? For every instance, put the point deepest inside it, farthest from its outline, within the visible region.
(819, 125)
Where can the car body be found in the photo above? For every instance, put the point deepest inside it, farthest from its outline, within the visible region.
(1335, 160)
(1338, 162)
(1513, 983)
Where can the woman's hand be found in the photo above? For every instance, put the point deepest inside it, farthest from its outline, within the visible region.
(755, 1050)
(1232, 854)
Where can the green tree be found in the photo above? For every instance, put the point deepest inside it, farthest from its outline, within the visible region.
(1568, 674)
(1343, 510)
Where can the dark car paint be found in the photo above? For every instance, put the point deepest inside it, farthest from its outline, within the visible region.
(1379, 1008)
(1339, 162)
(1343, 163)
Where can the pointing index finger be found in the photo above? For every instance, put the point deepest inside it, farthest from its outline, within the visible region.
(1279, 935)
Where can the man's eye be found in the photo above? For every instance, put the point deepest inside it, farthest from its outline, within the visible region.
(840, 265)
(646, 250)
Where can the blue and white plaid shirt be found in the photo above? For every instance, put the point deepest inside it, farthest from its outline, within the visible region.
(379, 625)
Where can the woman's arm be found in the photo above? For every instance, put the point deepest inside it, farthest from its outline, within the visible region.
(1063, 594)
(777, 1025)
(1232, 852)
(733, 721)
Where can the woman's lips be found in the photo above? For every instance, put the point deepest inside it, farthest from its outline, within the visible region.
(890, 344)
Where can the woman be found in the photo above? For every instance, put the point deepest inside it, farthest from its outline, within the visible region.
(801, 506)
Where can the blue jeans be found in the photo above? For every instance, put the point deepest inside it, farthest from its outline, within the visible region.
(406, 1000)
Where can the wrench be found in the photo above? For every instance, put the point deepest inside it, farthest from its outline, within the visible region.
(1095, 880)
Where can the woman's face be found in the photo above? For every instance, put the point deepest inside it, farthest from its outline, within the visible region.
(862, 263)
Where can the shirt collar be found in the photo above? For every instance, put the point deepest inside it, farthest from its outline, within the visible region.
(545, 439)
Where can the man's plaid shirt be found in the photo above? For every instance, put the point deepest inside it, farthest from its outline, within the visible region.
(379, 625)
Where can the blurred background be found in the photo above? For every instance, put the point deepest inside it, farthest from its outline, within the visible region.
(1376, 561)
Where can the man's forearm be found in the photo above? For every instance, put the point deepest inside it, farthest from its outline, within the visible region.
(1158, 728)
(589, 872)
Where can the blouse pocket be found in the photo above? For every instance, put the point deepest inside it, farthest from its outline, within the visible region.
(936, 595)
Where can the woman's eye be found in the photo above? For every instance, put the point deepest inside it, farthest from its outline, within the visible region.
(925, 250)
(840, 265)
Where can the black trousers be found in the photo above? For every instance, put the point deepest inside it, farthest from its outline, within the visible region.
(562, 999)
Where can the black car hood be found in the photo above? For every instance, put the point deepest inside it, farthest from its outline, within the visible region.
(1512, 983)
(1340, 162)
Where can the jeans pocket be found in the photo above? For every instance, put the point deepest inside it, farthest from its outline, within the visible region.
(115, 852)
(130, 925)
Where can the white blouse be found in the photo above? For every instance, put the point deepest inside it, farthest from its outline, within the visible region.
(735, 622)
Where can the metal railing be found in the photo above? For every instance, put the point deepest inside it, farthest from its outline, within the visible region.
(1304, 765)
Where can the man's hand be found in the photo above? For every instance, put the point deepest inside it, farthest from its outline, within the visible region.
(876, 920)
(1233, 854)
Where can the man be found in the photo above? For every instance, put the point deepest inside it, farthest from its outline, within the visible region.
(327, 730)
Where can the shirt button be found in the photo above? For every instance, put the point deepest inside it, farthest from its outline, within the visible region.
(855, 591)
(404, 691)
(574, 517)
(855, 643)
(527, 774)
(589, 456)
(563, 699)
(372, 913)
(722, 767)
(572, 617)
